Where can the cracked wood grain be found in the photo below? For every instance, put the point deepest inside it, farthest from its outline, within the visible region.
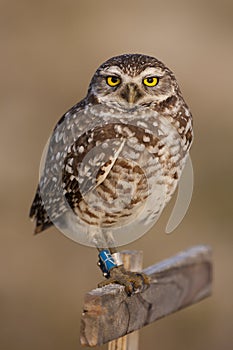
(177, 282)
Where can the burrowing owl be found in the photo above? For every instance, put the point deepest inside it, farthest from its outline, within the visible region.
(123, 146)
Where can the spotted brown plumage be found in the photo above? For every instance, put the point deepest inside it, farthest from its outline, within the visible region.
(131, 133)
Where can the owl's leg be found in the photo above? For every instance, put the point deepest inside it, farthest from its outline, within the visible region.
(113, 269)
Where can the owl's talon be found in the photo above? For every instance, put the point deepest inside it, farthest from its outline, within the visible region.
(132, 281)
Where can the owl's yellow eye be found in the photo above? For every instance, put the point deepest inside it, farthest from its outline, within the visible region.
(113, 81)
(150, 81)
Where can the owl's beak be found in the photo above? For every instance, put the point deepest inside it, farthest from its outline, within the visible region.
(131, 93)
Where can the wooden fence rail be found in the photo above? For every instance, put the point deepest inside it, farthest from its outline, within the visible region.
(177, 282)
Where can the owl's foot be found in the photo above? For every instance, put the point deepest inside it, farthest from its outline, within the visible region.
(132, 281)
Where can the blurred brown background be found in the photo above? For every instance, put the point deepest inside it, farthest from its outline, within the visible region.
(49, 51)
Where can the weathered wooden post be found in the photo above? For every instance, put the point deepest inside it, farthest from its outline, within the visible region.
(177, 282)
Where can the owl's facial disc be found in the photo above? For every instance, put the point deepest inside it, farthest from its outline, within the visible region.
(119, 88)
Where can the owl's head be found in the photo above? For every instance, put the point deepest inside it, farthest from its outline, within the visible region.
(132, 80)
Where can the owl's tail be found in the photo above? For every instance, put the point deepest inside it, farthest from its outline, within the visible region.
(38, 214)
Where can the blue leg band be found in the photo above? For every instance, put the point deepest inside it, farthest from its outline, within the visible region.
(106, 262)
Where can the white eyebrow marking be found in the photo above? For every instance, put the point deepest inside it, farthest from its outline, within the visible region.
(113, 70)
(152, 71)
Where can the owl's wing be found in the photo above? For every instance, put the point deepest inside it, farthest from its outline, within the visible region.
(76, 162)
